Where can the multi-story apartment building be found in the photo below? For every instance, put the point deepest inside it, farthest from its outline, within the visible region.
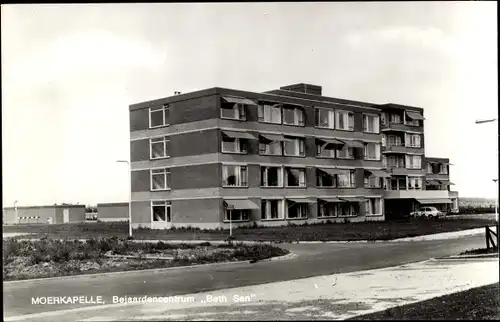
(288, 155)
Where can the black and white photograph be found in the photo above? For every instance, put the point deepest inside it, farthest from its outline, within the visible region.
(250, 161)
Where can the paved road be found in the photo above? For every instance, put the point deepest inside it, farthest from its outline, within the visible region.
(313, 260)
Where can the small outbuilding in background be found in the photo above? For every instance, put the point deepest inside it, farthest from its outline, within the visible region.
(55, 214)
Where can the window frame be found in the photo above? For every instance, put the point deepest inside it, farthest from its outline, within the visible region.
(378, 151)
(240, 211)
(239, 142)
(367, 185)
(352, 179)
(301, 145)
(350, 116)
(409, 137)
(238, 108)
(166, 175)
(321, 208)
(296, 111)
(168, 213)
(347, 148)
(240, 167)
(281, 209)
(376, 121)
(261, 113)
(159, 139)
(368, 201)
(285, 177)
(304, 207)
(164, 108)
(411, 157)
(266, 170)
(331, 117)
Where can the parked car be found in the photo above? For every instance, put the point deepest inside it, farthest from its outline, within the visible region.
(427, 213)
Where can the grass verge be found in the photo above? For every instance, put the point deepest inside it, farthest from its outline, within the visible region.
(481, 303)
(480, 251)
(384, 230)
(51, 258)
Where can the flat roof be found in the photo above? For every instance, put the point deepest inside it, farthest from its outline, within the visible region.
(52, 206)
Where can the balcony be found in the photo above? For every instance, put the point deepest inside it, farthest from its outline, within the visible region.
(400, 171)
(417, 194)
(438, 176)
(400, 127)
(401, 149)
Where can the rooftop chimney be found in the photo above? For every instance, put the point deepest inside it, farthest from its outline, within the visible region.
(303, 88)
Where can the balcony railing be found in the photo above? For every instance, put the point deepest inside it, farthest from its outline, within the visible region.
(401, 127)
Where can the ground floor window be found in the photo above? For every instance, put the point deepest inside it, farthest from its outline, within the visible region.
(347, 209)
(272, 209)
(373, 206)
(237, 214)
(297, 210)
(328, 209)
(161, 211)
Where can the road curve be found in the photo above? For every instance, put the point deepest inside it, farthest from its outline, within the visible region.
(312, 260)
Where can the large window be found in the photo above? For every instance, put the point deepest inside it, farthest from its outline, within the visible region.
(394, 118)
(272, 209)
(295, 177)
(324, 150)
(372, 151)
(443, 169)
(270, 113)
(234, 145)
(160, 179)
(328, 209)
(161, 211)
(324, 179)
(294, 147)
(158, 147)
(347, 209)
(325, 118)
(234, 176)
(270, 148)
(237, 215)
(296, 210)
(346, 152)
(412, 140)
(346, 179)
(158, 116)
(373, 206)
(395, 161)
(271, 176)
(344, 120)
(394, 140)
(415, 183)
(371, 123)
(429, 168)
(234, 111)
(372, 181)
(293, 116)
(413, 162)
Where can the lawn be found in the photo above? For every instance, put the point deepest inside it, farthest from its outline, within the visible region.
(385, 230)
(50, 258)
(481, 303)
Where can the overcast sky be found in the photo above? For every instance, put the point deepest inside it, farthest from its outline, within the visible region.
(69, 73)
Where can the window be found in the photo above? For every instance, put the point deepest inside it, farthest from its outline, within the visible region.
(294, 147)
(346, 179)
(272, 209)
(373, 206)
(270, 113)
(371, 123)
(394, 118)
(271, 176)
(328, 209)
(324, 179)
(344, 120)
(345, 153)
(158, 116)
(412, 140)
(160, 179)
(233, 145)
(383, 118)
(325, 118)
(415, 183)
(297, 210)
(346, 209)
(237, 215)
(161, 211)
(372, 151)
(158, 148)
(429, 168)
(293, 116)
(443, 169)
(395, 161)
(394, 140)
(413, 162)
(372, 181)
(234, 176)
(233, 111)
(322, 151)
(295, 177)
(270, 148)
(411, 122)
